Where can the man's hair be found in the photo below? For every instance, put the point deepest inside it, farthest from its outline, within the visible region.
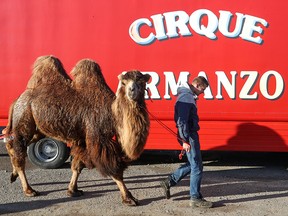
(201, 81)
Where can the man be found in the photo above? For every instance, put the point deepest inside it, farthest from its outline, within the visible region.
(186, 119)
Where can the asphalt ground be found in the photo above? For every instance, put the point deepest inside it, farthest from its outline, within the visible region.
(237, 184)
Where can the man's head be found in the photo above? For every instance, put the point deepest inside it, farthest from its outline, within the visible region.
(199, 85)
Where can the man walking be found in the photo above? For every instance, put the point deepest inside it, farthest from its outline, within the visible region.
(186, 119)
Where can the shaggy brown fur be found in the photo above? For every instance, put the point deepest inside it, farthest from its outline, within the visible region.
(81, 113)
(48, 70)
(132, 122)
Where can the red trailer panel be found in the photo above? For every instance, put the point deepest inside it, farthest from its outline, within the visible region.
(239, 46)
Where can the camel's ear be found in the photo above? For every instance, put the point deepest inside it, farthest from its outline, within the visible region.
(120, 76)
(146, 77)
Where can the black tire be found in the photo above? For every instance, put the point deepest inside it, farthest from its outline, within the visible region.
(48, 153)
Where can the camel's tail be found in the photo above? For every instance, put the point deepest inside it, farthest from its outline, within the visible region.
(8, 130)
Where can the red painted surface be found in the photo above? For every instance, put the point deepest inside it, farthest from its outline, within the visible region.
(249, 115)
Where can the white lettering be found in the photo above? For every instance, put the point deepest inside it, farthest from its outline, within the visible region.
(270, 80)
(264, 85)
(152, 86)
(225, 21)
(172, 22)
(208, 31)
(230, 87)
(246, 89)
(170, 82)
(134, 32)
(159, 26)
(177, 19)
(250, 27)
(207, 92)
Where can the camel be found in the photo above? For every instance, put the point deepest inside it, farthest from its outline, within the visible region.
(106, 130)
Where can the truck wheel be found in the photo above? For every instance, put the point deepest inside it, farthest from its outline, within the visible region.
(48, 153)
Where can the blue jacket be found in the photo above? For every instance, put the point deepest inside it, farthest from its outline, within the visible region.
(185, 112)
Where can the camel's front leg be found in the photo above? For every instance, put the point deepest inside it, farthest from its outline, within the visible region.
(127, 197)
(18, 164)
(76, 168)
(28, 191)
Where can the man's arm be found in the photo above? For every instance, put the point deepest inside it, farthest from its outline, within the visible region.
(183, 112)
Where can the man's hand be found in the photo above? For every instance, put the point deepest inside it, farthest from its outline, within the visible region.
(186, 147)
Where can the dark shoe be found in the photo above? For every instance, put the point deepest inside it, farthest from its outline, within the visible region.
(201, 203)
(165, 185)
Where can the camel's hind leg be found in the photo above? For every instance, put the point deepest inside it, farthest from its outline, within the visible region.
(18, 163)
(80, 161)
(127, 197)
(76, 168)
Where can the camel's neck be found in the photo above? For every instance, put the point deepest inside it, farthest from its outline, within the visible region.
(132, 126)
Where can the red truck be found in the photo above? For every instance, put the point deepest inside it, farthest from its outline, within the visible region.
(239, 46)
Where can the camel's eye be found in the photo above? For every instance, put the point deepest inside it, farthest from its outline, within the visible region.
(123, 83)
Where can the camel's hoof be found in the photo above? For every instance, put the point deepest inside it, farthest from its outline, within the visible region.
(75, 193)
(130, 201)
(31, 193)
(13, 177)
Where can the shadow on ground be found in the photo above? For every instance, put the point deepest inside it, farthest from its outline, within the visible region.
(219, 158)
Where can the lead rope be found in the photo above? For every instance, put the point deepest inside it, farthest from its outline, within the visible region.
(5, 137)
(165, 126)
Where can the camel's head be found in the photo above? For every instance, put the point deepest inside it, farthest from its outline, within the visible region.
(133, 85)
